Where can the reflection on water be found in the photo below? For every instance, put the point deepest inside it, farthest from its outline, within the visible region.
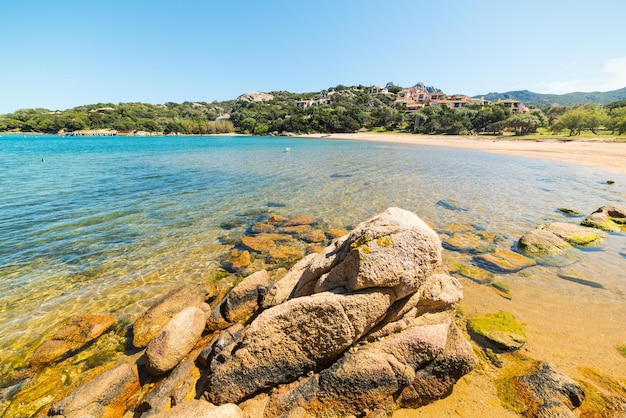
(110, 224)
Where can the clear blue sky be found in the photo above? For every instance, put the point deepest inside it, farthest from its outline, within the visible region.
(61, 54)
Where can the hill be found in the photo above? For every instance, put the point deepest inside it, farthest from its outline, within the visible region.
(569, 99)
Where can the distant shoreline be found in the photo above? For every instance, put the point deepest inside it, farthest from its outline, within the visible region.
(602, 153)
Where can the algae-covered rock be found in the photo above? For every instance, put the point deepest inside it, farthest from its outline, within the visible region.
(540, 390)
(575, 234)
(502, 289)
(284, 254)
(541, 242)
(262, 227)
(610, 218)
(315, 235)
(570, 212)
(500, 329)
(236, 260)
(504, 261)
(470, 271)
(300, 220)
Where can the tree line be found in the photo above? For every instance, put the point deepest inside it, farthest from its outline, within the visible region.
(349, 109)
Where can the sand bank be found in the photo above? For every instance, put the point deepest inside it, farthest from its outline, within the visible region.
(606, 154)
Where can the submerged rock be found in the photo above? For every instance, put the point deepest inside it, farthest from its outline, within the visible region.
(470, 271)
(470, 242)
(504, 261)
(236, 260)
(75, 333)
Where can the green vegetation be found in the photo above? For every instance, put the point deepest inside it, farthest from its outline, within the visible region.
(335, 110)
(622, 349)
(506, 383)
(501, 329)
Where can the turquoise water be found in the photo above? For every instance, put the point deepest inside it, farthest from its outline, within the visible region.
(109, 224)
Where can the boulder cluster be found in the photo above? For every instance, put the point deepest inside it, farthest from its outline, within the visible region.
(556, 238)
(366, 325)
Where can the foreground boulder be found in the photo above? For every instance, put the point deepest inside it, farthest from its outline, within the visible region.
(350, 328)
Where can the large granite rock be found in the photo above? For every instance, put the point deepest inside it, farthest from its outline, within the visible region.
(348, 329)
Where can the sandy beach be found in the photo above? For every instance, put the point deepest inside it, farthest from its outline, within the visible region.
(601, 153)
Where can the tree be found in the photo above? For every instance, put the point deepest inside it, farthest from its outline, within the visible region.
(579, 118)
(526, 123)
(247, 125)
(617, 120)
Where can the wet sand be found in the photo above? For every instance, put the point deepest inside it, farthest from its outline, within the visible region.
(603, 153)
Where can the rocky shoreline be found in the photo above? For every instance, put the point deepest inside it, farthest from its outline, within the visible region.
(364, 326)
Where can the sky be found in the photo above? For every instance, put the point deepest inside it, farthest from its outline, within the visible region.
(61, 54)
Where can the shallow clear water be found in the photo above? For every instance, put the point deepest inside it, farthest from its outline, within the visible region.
(109, 224)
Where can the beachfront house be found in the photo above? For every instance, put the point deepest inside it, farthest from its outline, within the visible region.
(515, 105)
(378, 90)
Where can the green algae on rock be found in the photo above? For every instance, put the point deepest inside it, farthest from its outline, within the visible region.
(610, 218)
(540, 242)
(538, 389)
(502, 289)
(500, 329)
(570, 212)
(577, 235)
(470, 271)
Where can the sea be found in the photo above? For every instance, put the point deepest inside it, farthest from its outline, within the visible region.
(110, 224)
